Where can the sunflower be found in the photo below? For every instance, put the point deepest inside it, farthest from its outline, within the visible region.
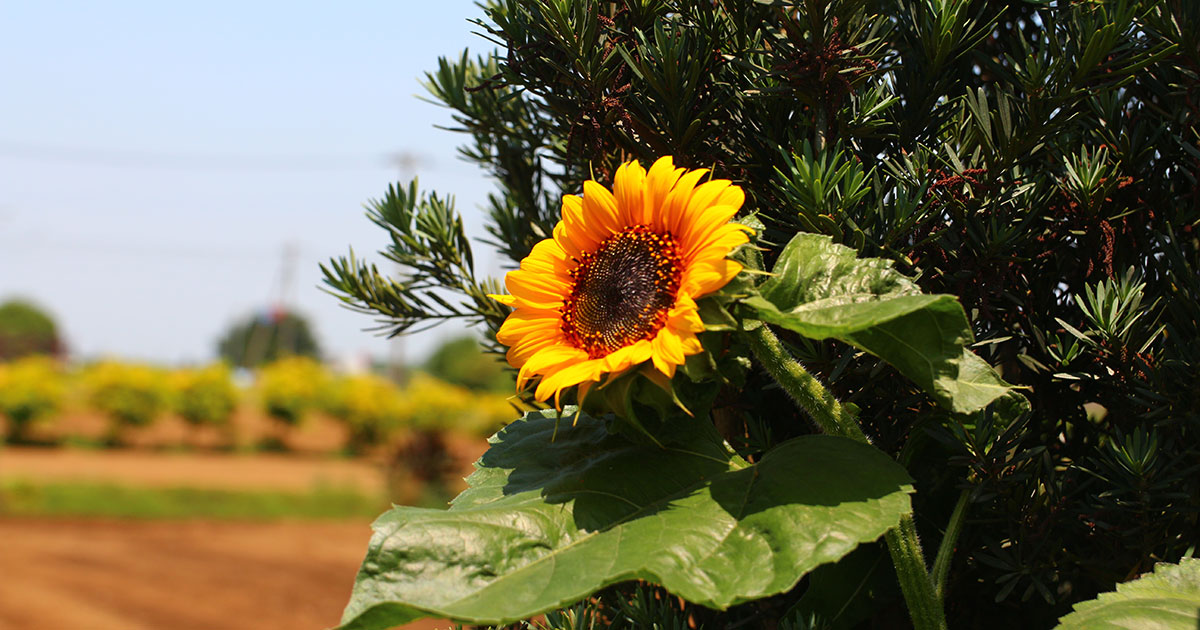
(617, 284)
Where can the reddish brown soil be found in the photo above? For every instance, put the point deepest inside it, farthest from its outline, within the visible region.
(181, 575)
(178, 575)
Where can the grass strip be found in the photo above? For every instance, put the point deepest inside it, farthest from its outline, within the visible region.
(87, 499)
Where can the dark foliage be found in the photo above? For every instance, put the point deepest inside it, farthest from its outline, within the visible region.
(1037, 159)
(26, 329)
(266, 337)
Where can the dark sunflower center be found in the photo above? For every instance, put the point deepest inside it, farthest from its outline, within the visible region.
(623, 291)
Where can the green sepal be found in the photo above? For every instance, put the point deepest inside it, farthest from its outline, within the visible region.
(714, 315)
(615, 398)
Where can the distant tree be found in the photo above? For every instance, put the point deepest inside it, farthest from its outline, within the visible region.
(462, 361)
(265, 337)
(26, 329)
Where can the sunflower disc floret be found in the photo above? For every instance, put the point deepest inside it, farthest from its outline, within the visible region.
(616, 284)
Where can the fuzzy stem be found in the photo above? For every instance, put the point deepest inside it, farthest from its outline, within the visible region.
(835, 419)
(923, 603)
(941, 564)
(804, 388)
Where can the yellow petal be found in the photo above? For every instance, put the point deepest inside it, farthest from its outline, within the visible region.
(547, 257)
(691, 344)
(661, 356)
(682, 342)
(717, 245)
(704, 196)
(547, 361)
(696, 232)
(628, 185)
(732, 196)
(671, 345)
(506, 300)
(671, 216)
(526, 347)
(685, 319)
(628, 356)
(659, 180)
(567, 376)
(538, 290)
(548, 357)
(600, 211)
(528, 323)
(576, 227)
(565, 243)
(704, 278)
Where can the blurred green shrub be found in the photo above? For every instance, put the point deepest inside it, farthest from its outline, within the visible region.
(369, 405)
(463, 362)
(204, 396)
(431, 410)
(31, 388)
(434, 405)
(131, 395)
(26, 329)
(291, 387)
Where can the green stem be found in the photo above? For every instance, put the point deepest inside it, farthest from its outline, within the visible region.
(941, 564)
(804, 388)
(833, 418)
(923, 604)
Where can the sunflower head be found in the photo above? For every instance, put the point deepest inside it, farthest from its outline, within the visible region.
(616, 285)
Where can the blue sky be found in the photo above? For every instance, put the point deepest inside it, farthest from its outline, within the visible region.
(157, 158)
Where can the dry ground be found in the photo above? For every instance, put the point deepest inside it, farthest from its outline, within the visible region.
(95, 574)
(178, 575)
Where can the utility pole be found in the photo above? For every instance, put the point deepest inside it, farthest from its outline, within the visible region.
(277, 314)
(282, 308)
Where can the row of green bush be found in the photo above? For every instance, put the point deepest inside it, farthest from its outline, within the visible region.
(34, 390)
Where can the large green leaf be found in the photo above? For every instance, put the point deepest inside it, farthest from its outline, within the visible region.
(550, 518)
(823, 290)
(1167, 599)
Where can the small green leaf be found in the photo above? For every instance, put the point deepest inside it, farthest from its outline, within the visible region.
(1167, 599)
(823, 290)
(546, 522)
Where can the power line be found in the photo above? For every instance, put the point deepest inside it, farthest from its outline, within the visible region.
(152, 250)
(195, 161)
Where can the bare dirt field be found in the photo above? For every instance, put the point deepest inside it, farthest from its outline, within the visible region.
(98, 574)
(179, 575)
